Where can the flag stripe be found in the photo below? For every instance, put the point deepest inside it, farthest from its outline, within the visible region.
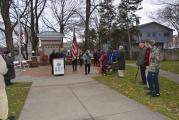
(74, 46)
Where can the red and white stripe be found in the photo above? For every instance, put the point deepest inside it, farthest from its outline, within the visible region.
(75, 51)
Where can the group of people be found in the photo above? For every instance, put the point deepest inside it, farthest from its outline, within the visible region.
(106, 60)
(112, 61)
(148, 61)
(7, 72)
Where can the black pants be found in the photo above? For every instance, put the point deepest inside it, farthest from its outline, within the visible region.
(95, 62)
(52, 69)
(81, 62)
(143, 75)
(7, 81)
(87, 69)
(74, 65)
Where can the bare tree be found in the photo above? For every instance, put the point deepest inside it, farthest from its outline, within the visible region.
(62, 12)
(36, 9)
(168, 15)
(8, 11)
(90, 7)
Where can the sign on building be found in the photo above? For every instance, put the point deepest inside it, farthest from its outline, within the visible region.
(58, 66)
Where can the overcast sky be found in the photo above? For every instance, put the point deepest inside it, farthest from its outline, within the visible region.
(149, 6)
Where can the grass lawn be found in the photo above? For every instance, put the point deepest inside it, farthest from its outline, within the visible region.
(17, 94)
(131, 61)
(172, 66)
(167, 103)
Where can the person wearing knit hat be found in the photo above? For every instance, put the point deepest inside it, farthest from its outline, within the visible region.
(121, 62)
(153, 72)
(151, 42)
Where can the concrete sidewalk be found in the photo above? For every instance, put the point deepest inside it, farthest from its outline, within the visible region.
(79, 97)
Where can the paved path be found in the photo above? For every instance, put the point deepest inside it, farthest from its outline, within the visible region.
(76, 96)
(169, 75)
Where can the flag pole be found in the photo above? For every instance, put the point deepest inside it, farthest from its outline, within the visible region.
(19, 30)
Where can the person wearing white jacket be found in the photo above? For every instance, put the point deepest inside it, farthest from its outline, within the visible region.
(3, 95)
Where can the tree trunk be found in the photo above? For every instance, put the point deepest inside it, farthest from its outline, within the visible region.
(88, 6)
(129, 39)
(33, 30)
(5, 6)
(9, 40)
(129, 43)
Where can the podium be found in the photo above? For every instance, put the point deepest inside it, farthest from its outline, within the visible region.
(58, 67)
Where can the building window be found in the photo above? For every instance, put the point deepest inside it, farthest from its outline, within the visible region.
(159, 34)
(153, 34)
(149, 34)
(166, 34)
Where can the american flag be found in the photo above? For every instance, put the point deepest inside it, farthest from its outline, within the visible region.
(74, 46)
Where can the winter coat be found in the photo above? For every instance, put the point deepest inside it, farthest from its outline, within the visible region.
(121, 60)
(115, 56)
(52, 56)
(10, 66)
(87, 58)
(104, 60)
(3, 71)
(154, 62)
(141, 57)
(147, 56)
(109, 55)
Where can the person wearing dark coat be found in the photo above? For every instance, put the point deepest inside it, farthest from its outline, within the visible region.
(140, 62)
(10, 66)
(121, 62)
(81, 59)
(95, 58)
(52, 56)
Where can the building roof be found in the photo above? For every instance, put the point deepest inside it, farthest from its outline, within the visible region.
(144, 25)
(51, 34)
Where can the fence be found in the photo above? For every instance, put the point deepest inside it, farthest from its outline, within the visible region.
(165, 54)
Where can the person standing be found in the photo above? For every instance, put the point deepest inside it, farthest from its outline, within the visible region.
(121, 62)
(87, 61)
(10, 66)
(95, 58)
(146, 59)
(68, 57)
(3, 95)
(52, 56)
(140, 62)
(104, 63)
(153, 69)
(81, 59)
(74, 63)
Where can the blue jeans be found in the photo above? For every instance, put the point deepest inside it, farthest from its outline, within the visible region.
(153, 82)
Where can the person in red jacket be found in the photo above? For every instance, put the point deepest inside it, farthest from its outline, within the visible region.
(147, 58)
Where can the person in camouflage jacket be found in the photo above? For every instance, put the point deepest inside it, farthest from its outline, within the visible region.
(153, 69)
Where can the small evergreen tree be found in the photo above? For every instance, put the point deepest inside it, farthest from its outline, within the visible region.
(127, 18)
(107, 16)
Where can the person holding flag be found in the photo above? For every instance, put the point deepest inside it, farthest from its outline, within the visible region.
(75, 52)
